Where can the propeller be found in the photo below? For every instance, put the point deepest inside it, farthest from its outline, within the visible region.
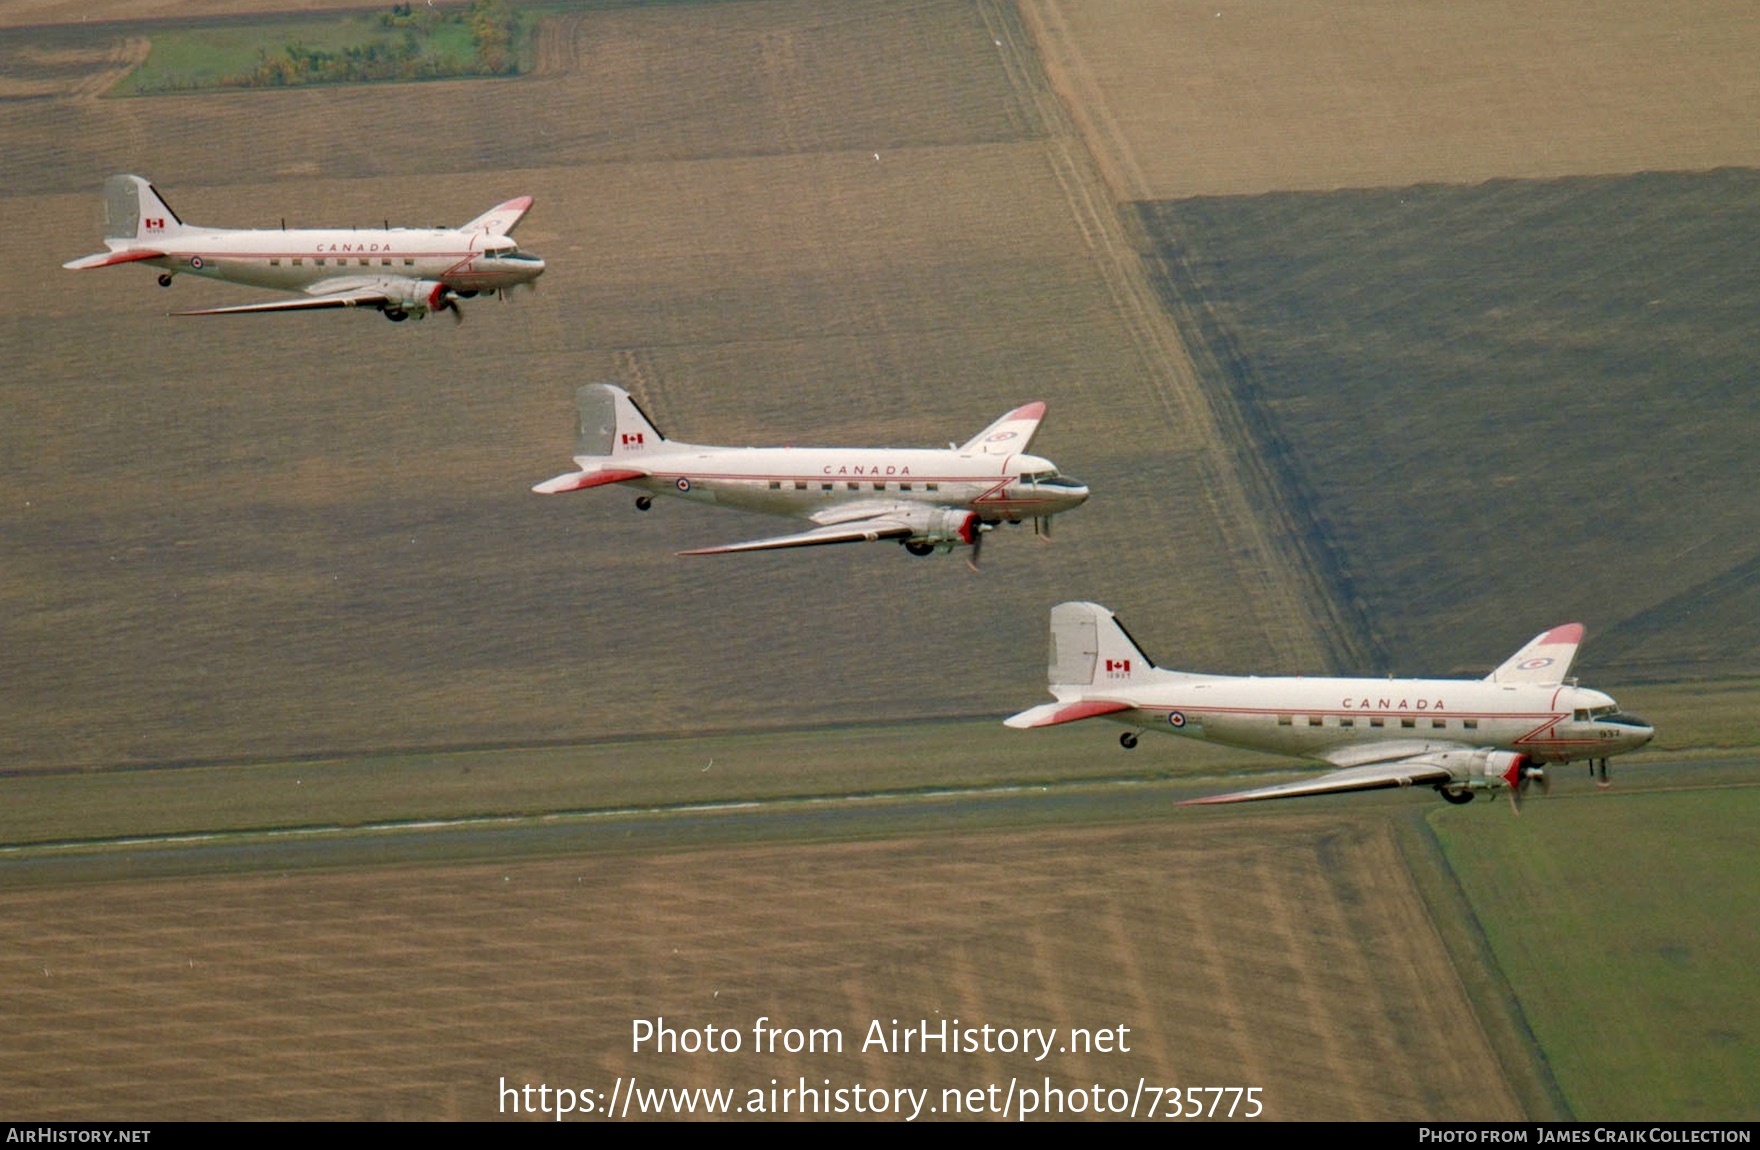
(1527, 774)
(979, 530)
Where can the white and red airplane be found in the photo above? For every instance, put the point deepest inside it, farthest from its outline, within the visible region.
(399, 271)
(1461, 736)
(928, 500)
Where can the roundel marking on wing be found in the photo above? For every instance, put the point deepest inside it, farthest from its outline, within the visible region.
(1535, 664)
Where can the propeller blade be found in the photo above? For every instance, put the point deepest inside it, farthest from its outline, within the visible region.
(977, 549)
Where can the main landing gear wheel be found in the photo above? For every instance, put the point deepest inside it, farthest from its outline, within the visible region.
(643, 503)
(396, 314)
(918, 547)
(1458, 798)
(164, 279)
(1128, 740)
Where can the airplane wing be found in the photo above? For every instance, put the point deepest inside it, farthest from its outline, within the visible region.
(350, 291)
(1051, 714)
(1546, 658)
(856, 531)
(1011, 434)
(340, 299)
(501, 219)
(1363, 754)
(1403, 773)
(111, 259)
(581, 480)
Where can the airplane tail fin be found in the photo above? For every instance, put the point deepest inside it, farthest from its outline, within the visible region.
(501, 219)
(1546, 658)
(133, 210)
(612, 426)
(1010, 435)
(1089, 647)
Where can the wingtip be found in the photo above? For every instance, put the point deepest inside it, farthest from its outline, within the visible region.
(1568, 633)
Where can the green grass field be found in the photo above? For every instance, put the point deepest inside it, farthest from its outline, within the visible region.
(1501, 407)
(207, 57)
(1628, 927)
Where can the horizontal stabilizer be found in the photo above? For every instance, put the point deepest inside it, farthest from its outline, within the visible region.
(1399, 774)
(862, 531)
(580, 480)
(111, 259)
(1546, 659)
(1051, 714)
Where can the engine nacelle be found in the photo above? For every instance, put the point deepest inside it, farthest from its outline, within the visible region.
(945, 527)
(434, 296)
(1487, 769)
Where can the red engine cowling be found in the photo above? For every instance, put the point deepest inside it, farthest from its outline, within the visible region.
(436, 296)
(945, 528)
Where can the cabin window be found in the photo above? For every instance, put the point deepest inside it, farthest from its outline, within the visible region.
(1470, 724)
(879, 487)
(386, 262)
(275, 261)
(297, 262)
(800, 485)
(1285, 720)
(776, 485)
(931, 487)
(408, 262)
(1347, 722)
(1439, 724)
(319, 262)
(1316, 721)
(904, 487)
(827, 486)
(1408, 724)
(366, 263)
(855, 486)
(1378, 722)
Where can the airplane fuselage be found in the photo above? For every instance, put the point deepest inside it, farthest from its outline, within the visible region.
(815, 483)
(294, 260)
(1311, 718)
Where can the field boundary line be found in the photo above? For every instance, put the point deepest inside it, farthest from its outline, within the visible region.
(1278, 586)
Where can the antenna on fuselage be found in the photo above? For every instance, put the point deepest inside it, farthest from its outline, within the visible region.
(283, 223)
